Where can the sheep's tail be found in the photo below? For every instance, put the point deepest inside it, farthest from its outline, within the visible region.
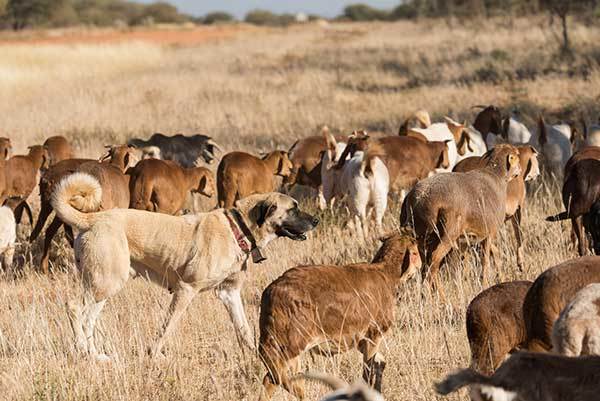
(75, 197)
(559, 217)
(460, 379)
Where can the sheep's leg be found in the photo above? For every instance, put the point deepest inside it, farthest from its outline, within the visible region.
(577, 223)
(485, 259)
(45, 212)
(7, 257)
(50, 233)
(182, 297)
(69, 234)
(516, 223)
(322, 202)
(373, 362)
(437, 256)
(229, 292)
(295, 387)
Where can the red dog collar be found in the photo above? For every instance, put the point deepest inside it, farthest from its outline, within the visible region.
(243, 236)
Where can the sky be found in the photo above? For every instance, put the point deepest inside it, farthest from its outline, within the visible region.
(239, 8)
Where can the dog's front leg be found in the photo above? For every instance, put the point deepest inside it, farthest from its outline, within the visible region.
(229, 293)
(183, 295)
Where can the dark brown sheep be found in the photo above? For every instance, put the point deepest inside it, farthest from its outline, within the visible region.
(162, 185)
(495, 326)
(580, 194)
(241, 174)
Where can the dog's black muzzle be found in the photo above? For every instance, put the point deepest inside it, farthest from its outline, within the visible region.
(296, 225)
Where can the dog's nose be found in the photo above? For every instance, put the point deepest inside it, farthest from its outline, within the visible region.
(315, 222)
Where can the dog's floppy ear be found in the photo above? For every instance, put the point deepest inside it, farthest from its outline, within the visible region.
(262, 211)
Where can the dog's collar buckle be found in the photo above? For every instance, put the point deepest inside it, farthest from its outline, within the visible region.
(243, 236)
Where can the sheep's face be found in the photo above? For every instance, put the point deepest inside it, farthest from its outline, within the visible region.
(513, 165)
(530, 165)
(206, 185)
(285, 166)
(40, 155)
(5, 148)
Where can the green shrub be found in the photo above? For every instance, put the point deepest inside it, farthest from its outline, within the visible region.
(217, 17)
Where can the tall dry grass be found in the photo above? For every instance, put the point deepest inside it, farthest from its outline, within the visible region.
(258, 93)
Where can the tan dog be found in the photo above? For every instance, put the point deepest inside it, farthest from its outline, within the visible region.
(185, 254)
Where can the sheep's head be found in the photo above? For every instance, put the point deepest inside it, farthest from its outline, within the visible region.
(461, 136)
(5, 148)
(358, 141)
(530, 165)
(399, 250)
(122, 156)
(283, 164)
(206, 182)
(505, 159)
(40, 156)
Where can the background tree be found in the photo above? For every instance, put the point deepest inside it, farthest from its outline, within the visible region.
(24, 12)
(562, 9)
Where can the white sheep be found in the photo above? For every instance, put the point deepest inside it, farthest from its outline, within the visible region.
(555, 143)
(8, 236)
(366, 182)
(463, 141)
(577, 330)
(363, 181)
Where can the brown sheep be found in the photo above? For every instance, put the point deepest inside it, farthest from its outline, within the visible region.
(443, 207)
(407, 158)
(241, 174)
(162, 185)
(495, 326)
(332, 309)
(20, 176)
(516, 190)
(529, 376)
(116, 196)
(305, 155)
(549, 295)
(58, 148)
(5, 148)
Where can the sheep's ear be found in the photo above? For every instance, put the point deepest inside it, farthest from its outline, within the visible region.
(410, 263)
(505, 128)
(542, 134)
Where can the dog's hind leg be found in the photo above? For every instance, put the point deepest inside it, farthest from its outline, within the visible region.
(74, 314)
(92, 310)
(182, 297)
(229, 293)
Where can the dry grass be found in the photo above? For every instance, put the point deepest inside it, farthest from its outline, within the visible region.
(258, 93)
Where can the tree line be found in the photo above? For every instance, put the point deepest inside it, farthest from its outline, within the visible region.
(20, 14)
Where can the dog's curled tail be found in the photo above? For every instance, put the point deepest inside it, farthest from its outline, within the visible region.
(460, 379)
(75, 197)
